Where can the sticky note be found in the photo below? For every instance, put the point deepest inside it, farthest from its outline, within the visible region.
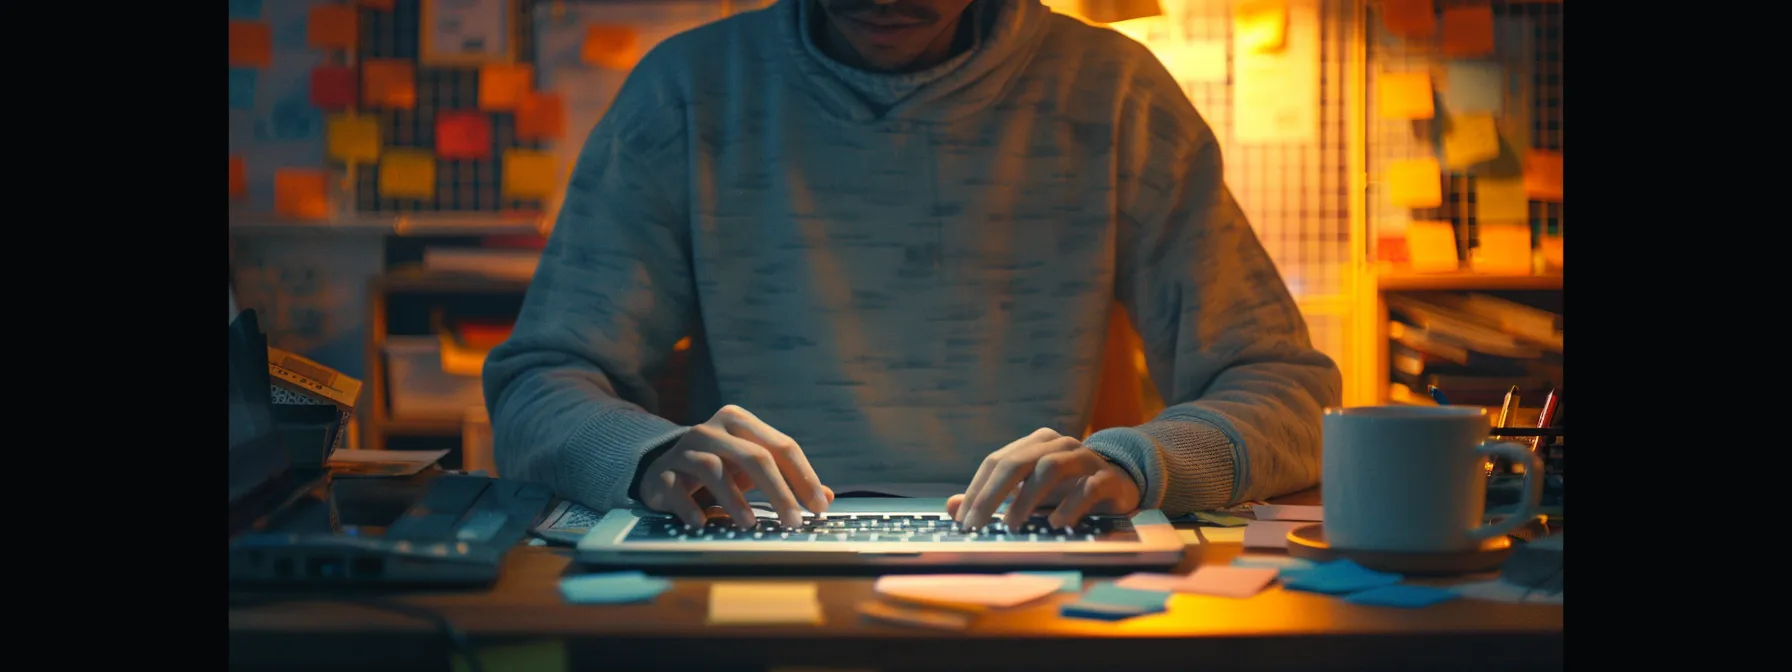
(463, 135)
(1213, 535)
(1276, 562)
(1470, 139)
(1409, 18)
(333, 87)
(1405, 95)
(1340, 577)
(612, 588)
(1269, 534)
(1501, 199)
(1471, 87)
(987, 590)
(389, 83)
(1260, 25)
(239, 178)
(1216, 580)
(1290, 512)
(352, 139)
(540, 115)
(1069, 582)
(611, 46)
(1193, 61)
(332, 26)
(1147, 581)
(763, 604)
(502, 85)
(301, 193)
(1543, 175)
(382, 5)
(407, 173)
(545, 655)
(937, 619)
(245, 9)
(1409, 597)
(242, 88)
(1221, 519)
(1415, 183)
(1502, 248)
(1467, 31)
(251, 44)
(1110, 602)
(1431, 247)
(529, 174)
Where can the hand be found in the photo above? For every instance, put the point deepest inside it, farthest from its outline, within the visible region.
(718, 461)
(1056, 469)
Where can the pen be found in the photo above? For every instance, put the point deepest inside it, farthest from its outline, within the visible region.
(1437, 395)
(1508, 409)
(1547, 418)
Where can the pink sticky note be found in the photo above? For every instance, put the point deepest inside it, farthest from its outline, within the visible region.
(1269, 534)
(997, 590)
(1145, 581)
(1311, 514)
(1233, 582)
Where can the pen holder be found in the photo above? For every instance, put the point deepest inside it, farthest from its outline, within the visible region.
(1546, 442)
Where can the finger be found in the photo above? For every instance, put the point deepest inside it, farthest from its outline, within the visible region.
(1008, 474)
(798, 474)
(1093, 490)
(665, 492)
(746, 456)
(988, 466)
(829, 492)
(1048, 472)
(713, 473)
(953, 504)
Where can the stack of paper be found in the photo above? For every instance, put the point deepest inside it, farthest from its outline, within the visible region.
(764, 604)
(1109, 602)
(969, 590)
(1219, 581)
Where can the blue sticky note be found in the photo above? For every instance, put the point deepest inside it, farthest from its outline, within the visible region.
(1471, 87)
(242, 88)
(1101, 612)
(245, 9)
(1409, 597)
(1284, 565)
(1073, 581)
(1111, 595)
(1339, 578)
(612, 588)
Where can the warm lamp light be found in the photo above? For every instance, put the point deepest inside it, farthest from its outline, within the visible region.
(1115, 11)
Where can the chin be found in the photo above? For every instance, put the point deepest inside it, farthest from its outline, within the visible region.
(885, 62)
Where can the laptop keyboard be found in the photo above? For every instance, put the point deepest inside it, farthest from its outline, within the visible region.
(883, 528)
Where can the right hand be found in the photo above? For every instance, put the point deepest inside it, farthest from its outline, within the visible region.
(717, 462)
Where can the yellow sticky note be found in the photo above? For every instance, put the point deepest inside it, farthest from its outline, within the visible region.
(502, 86)
(1468, 31)
(1405, 95)
(616, 47)
(1260, 25)
(408, 173)
(1502, 248)
(1543, 175)
(1501, 199)
(732, 603)
(302, 194)
(1470, 139)
(1415, 183)
(1194, 61)
(528, 174)
(1431, 247)
(352, 138)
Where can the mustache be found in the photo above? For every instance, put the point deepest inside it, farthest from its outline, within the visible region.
(868, 9)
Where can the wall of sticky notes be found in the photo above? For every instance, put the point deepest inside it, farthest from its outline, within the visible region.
(1465, 131)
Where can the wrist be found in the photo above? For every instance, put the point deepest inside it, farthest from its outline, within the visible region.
(647, 459)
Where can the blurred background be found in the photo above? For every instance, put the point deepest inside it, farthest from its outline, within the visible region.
(395, 166)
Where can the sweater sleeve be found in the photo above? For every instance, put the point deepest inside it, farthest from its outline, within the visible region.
(1224, 341)
(569, 392)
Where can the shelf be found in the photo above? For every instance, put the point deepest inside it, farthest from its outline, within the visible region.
(422, 224)
(1408, 282)
(416, 280)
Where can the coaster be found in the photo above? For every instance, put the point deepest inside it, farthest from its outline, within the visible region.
(1308, 542)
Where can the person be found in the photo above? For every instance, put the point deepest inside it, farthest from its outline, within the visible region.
(893, 231)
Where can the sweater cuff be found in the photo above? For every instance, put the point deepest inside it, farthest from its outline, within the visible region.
(1201, 457)
(599, 460)
(1138, 454)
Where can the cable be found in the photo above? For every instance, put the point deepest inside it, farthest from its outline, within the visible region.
(457, 640)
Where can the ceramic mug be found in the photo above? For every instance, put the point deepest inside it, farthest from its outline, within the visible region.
(1412, 478)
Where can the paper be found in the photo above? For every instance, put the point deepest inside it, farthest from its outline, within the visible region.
(1270, 534)
(332, 27)
(1193, 61)
(1212, 535)
(1543, 175)
(924, 618)
(352, 138)
(1467, 31)
(301, 194)
(1496, 590)
(540, 115)
(1415, 183)
(407, 173)
(547, 655)
(1306, 513)
(239, 179)
(389, 83)
(245, 9)
(1276, 562)
(612, 588)
(1409, 18)
(1470, 139)
(1069, 582)
(382, 462)
(1501, 199)
(1405, 95)
(1409, 597)
(1110, 602)
(1259, 25)
(529, 174)
(1474, 87)
(615, 47)
(463, 135)
(333, 87)
(1340, 577)
(1275, 95)
(733, 603)
(503, 85)
(1233, 582)
(1213, 519)
(1431, 247)
(987, 590)
(242, 88)
(251, 44)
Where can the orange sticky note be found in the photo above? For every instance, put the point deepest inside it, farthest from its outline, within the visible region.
(540, 116)
(332, 27)
(1468, 31)
(610, 46)
(502, 86)
(1431, 247)
(251, 44)
(463, 135)
(1409, 18)
(382, 5)
(333, 87)
(352, 138)
(1543, 175)
(1260, 25)
(408, 173)
(239, 179)
(1502, 248)
(389, 83)
(1471, 139)
(1405, 95)
(528, 174)
(301, 193)
(1415, 183)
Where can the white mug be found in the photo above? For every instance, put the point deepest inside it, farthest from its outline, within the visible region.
(1412, 478)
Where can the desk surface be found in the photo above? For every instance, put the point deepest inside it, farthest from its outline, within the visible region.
(1276, 629)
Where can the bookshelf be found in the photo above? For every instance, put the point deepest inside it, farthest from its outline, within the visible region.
(1387, 283)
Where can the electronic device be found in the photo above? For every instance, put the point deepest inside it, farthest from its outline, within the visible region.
(880, 532)
(262, 477)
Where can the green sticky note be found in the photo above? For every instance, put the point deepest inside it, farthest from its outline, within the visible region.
(1221, 519)
(539, 656)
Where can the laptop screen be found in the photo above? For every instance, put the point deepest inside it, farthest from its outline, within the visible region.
(257, 454)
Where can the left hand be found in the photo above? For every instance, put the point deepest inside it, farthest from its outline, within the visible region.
(1055, 469)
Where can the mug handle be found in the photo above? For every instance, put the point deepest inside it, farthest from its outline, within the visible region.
(1533, 489)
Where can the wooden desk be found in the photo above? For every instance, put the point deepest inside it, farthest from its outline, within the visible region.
(1274, 630)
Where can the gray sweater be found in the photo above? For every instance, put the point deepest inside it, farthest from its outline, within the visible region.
(905, 288)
